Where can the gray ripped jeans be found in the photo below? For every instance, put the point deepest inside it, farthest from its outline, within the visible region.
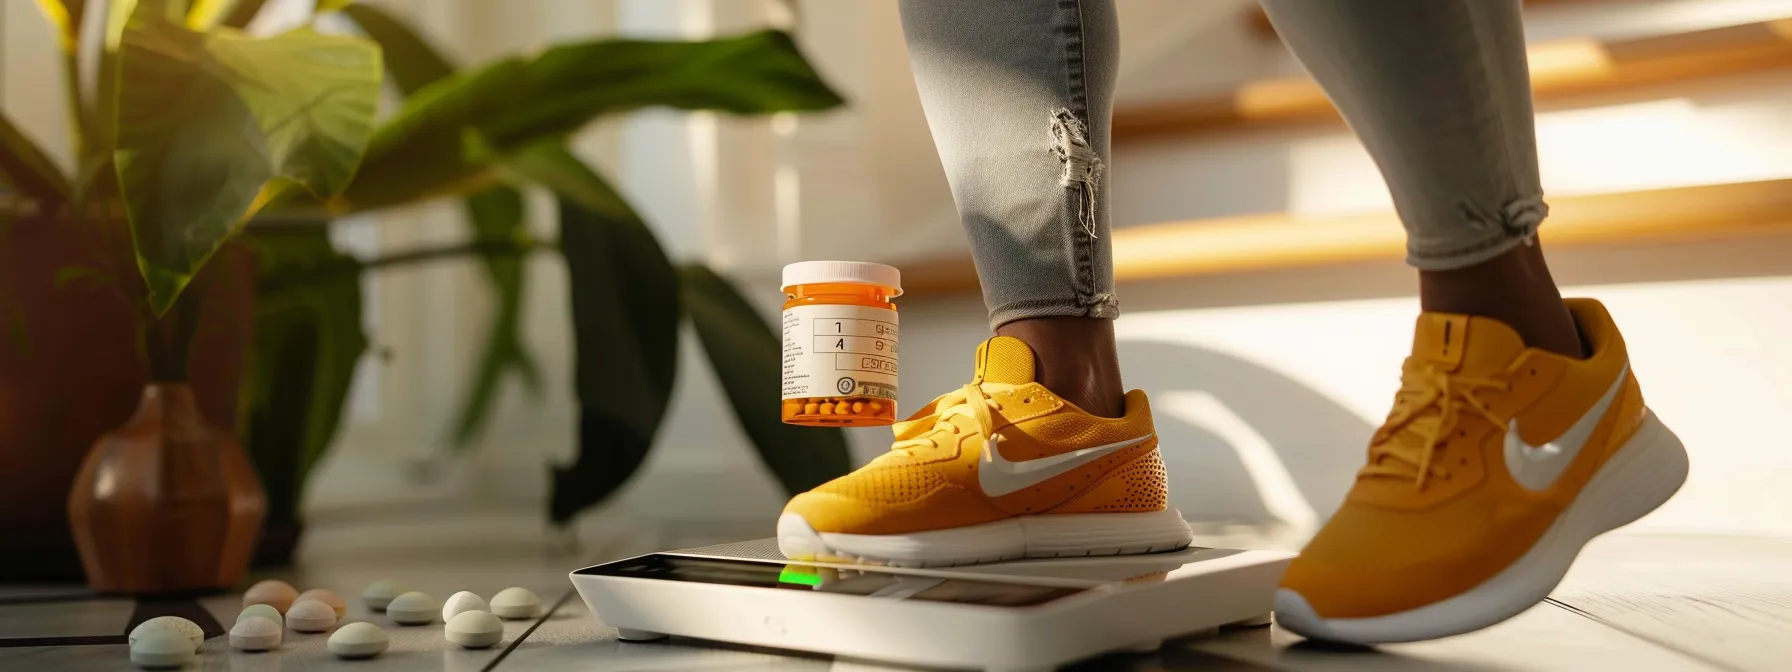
(1019, 94)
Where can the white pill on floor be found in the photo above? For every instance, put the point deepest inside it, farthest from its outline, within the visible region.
(175, 624)
(255, 633)
(413, 608)
(325, 596)
(515, 603)
(310, 616)
(359, 640)
(474, 629)
(276, 594)
(462, 602)
(263, 611)
(380, 593)
(161, 649)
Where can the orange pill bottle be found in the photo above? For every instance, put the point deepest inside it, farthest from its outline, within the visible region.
(840, 343)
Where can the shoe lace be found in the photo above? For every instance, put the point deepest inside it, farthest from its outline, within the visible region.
(1429, 406)
(972, 401)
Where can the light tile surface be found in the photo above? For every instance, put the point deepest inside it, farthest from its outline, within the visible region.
(1632, 603)
(65, 619)
(1724, 600)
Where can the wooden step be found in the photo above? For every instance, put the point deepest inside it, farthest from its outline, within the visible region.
(1259, 21)
(1277, 241)
(1559, 70)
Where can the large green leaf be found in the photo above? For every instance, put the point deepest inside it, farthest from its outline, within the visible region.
(205, 121)
(411, 61)
(755, 73)
(25, 167)
(190, 156)
(625, 309)
(451, 133)
(497, 214)
(308, 340)
(431, 147)
(494, 214)
(315, 95)
(747, 356)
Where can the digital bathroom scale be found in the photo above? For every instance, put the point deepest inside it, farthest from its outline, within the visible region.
(1027, 615)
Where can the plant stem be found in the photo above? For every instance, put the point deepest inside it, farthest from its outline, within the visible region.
(270, 287)
(170, 339)
(478, 247)
(80, 126)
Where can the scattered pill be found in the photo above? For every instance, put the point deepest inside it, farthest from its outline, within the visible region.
(310, 616)
(843, 408)
(277, 594)
(858, 407)
(380, 593)
(412, 608)
(175, 624)
(263, 611)
(462, 602)
(515, 603)
(359, 640)
(161, 649)
(255, 633)
(325, 596)
(875, 407)
(827, 409)
(811, 408)
(474, 630)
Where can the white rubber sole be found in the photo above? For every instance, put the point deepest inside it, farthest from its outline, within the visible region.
(1640, 477)
(1040, 536)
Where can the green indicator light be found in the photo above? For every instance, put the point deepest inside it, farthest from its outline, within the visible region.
(805, 576)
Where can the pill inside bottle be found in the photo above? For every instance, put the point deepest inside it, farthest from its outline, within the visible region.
(840, 343)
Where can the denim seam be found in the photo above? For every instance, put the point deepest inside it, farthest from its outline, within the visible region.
(1081, 242)
(1031, 308)
(1489, 75)
(1462, 255)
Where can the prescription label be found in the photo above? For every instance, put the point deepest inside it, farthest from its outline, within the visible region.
(839, 351)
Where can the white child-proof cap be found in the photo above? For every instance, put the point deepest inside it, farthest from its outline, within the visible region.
(855, 272)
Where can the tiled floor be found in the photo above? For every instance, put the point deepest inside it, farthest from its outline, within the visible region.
(1633, 603)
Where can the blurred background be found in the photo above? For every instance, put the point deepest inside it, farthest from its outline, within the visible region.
(1265, 306)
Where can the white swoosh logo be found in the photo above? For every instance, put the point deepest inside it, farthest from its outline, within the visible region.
(998, 476)
(1535, 468)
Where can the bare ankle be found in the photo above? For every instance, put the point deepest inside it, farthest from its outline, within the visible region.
(1515, 288)
(1076, 359)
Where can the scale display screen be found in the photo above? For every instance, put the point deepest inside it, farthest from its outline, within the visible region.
(867, 582)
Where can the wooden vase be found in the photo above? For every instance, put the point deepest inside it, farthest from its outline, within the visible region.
(71, 367)
(166, 503)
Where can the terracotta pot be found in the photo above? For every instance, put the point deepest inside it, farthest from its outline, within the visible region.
(70, 371)
(166, 503)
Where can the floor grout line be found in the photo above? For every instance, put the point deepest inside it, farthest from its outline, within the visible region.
(1641, 637)
(549, 613)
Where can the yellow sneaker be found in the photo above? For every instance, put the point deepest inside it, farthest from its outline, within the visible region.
(997, 470)
(1497, 464)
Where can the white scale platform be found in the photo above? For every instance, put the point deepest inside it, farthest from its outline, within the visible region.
(1027, 615)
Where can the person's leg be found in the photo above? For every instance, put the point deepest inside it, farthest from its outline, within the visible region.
(1439, 92)
(1040, 455)
(1019, 94)
(1519, 432)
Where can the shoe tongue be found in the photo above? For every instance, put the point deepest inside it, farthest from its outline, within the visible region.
(1004, 359)
(1465, 343)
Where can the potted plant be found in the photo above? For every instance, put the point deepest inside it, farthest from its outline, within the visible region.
(458, 135)
(189, 134)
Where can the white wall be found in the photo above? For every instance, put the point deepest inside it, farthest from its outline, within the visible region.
(1298, 366)
(1263, 420)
